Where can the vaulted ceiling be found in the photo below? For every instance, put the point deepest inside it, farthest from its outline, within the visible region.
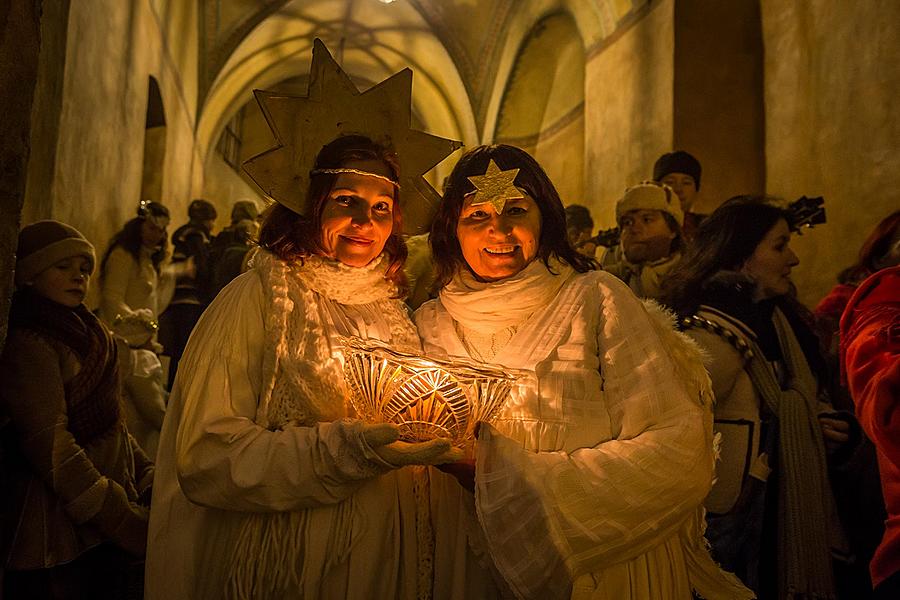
(463, 52)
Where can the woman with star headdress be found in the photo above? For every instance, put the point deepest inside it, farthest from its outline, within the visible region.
(590, 482)
(267, 487)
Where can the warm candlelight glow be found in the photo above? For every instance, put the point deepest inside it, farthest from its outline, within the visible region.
(426, 398)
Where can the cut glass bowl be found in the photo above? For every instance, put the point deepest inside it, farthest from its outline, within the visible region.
(426, 398)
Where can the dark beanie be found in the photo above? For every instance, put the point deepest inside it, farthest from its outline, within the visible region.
(43, 244)
(677, 162)
(201, 210)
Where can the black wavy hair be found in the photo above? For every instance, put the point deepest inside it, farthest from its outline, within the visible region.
(129, 237)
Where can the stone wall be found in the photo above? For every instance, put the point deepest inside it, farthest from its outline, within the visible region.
(718, 103)
(21, 41)
(90, 114)
(628, 114)
(543, 106)
(832, 126)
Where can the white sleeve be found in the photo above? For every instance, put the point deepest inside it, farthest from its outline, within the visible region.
(552, 516)
(223, 458)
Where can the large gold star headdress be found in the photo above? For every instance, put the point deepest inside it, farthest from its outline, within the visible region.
(495, 187)
(333, 107)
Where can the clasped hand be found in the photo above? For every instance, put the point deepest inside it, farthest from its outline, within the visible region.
(384, 440)
(835, 431)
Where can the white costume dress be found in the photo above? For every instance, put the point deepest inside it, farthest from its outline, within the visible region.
(590, 483)
(131, 285)
(279, 495)
(133, 288)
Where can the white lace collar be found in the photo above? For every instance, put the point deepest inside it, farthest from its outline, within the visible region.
(488, 307)
(339, 282)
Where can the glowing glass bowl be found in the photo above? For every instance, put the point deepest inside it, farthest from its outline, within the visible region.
(424, 397)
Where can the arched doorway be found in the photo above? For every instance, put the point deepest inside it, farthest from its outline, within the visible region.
(154, 144)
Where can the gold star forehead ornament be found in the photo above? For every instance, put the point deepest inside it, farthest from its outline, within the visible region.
(495, 187)
(333, 107)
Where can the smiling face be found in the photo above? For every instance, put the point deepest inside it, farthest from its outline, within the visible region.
(770, 264)
(357, 217)
(65, 282)
(499, 245)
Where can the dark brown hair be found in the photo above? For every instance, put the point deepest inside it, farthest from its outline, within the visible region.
(130, 239)
(446, 251)
(292, 237)
(724, 241)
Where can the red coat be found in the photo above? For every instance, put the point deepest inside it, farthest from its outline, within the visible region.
(834, 303)
(870, 349)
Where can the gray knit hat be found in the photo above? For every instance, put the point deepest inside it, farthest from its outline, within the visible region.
(650, 195)
(45, 243)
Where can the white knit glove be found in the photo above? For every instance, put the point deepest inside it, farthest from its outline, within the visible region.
(382, 438)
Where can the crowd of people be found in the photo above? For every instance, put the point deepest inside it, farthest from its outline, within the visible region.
(677, 430)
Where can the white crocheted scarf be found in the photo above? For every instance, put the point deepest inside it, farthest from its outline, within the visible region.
(302, 380)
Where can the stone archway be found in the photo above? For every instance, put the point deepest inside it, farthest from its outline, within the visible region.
(542, 110)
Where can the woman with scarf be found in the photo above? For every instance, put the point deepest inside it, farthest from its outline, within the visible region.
(771, 512)
(590, 482)
(268, 487)
(75, 483)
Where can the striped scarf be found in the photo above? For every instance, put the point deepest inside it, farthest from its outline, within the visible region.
(92, 395)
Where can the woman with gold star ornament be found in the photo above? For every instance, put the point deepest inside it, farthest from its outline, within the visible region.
(268, 486)
(590, 482)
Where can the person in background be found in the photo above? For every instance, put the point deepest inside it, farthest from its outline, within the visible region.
(241, 212)
(192, 286)
(136, 284)
(232, 260)
(580, 229)
(75, 510)
(590, 482)
(865, 511)
(772, 514)
(649, 217)
(880, 250)
(228, 251)
(681, 171)
(870, 349)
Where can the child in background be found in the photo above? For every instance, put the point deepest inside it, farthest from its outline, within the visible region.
(76, 523)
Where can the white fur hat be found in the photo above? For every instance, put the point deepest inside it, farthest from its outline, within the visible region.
(649, 195)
